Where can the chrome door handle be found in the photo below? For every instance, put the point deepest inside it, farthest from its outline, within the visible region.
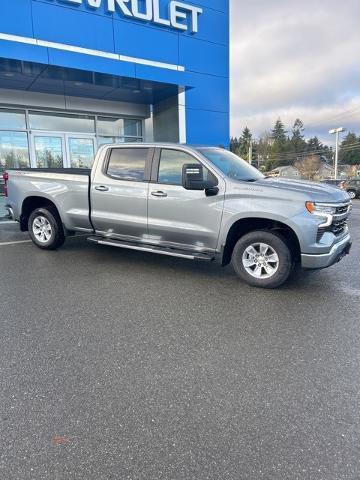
(102, 188)
(159, 194)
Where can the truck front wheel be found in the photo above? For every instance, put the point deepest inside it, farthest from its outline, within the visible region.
(262, 259)
(45, 228)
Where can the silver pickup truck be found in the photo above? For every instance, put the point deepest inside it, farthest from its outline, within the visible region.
(200, 203)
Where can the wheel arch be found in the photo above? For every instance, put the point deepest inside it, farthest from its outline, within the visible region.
(29, 204)
(246, 225)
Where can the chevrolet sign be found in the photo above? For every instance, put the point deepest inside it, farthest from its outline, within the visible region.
(181, 16)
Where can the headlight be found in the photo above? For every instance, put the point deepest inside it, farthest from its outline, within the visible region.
(323, 210)
(320, 208)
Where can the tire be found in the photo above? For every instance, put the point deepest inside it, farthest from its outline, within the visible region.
(45, 228)
(262, 259)
(352, 194)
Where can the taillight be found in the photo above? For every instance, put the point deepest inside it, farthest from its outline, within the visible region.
(6, 178)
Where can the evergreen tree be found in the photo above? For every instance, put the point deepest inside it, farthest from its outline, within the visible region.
(298, 143)
(314, 145)
(234, 144)
(280, 145)
(350, 150)
(244, 143)
(278, 133)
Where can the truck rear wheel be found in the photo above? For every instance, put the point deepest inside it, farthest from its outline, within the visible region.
(262, 259)
(45, 228)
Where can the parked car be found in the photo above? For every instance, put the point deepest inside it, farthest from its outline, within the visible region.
(196, 203)
(2, 185)
(353, 188)
(342, 184)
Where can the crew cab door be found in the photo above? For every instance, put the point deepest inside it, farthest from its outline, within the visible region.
(119, 193)
(177, 217)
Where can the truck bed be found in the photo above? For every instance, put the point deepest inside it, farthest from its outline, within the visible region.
(67, 188)
(68, 171)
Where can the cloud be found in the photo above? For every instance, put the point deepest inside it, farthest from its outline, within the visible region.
(295, 59)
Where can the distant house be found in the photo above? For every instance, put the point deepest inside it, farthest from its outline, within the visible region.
(288, 171)
(349, 171)
(326, 172)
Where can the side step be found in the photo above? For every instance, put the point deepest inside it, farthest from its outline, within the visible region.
(150, 248)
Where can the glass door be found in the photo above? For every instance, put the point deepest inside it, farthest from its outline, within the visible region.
(80, 150)
(49, 150)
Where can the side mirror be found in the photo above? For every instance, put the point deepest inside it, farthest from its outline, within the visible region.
(193, 177)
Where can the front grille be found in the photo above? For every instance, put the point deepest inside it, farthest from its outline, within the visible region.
(338, 227)
(339, 224)
(341, 210)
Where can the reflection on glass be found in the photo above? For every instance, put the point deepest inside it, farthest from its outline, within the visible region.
(110, 140)
(12, 119)
(14, 150)
(118, 127)
(110, 126)
(132, 127)
(48, 152)
(61, 122)
(81, 152)
(128, 163)
(230, 164)
(171, 166)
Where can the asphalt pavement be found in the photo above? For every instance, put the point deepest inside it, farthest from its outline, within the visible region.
(124, 365)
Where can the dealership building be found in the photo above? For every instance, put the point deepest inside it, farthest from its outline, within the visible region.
(75, 74)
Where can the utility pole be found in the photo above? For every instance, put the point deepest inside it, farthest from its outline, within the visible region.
(250, 151)
(336, 131)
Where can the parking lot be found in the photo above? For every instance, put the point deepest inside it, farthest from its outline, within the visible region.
(124, 365)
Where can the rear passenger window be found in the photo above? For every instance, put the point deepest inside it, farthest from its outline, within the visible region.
(128, 163)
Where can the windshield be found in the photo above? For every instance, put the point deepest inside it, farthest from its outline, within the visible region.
(231, 165)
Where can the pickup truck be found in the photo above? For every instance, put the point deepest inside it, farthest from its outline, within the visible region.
(199, 203)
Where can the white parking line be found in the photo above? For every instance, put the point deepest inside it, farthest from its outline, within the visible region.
(13, 243)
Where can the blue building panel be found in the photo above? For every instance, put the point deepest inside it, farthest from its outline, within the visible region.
(155, 44)
(16, 17)
(190, 52)
(209, 92)
(207, 128)
(204, 57)
(214, 27)
(63, 25)
(20, 51)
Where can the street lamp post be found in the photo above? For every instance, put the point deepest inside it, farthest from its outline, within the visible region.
(336, 131)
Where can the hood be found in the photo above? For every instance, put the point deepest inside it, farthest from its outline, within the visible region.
(317, 192)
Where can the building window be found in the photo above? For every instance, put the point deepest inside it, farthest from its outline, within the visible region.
(58, 122)
(49, 152)
(59, 139)
(81, 152)
(118, 130)
(128, 163)
(110, 140)
(14, 150)
(12, 119)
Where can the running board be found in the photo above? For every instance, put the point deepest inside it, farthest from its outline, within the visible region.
(151, 249)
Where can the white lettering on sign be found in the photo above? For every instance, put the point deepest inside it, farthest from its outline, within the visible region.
(181, 15)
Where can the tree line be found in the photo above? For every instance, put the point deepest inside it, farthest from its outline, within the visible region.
(281, 147)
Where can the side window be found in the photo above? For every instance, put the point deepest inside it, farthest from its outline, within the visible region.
(171, 166)
(128, 163)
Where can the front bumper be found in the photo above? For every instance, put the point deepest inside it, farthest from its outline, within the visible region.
(337, 252)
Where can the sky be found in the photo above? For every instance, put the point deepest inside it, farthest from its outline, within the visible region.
(295, 59)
